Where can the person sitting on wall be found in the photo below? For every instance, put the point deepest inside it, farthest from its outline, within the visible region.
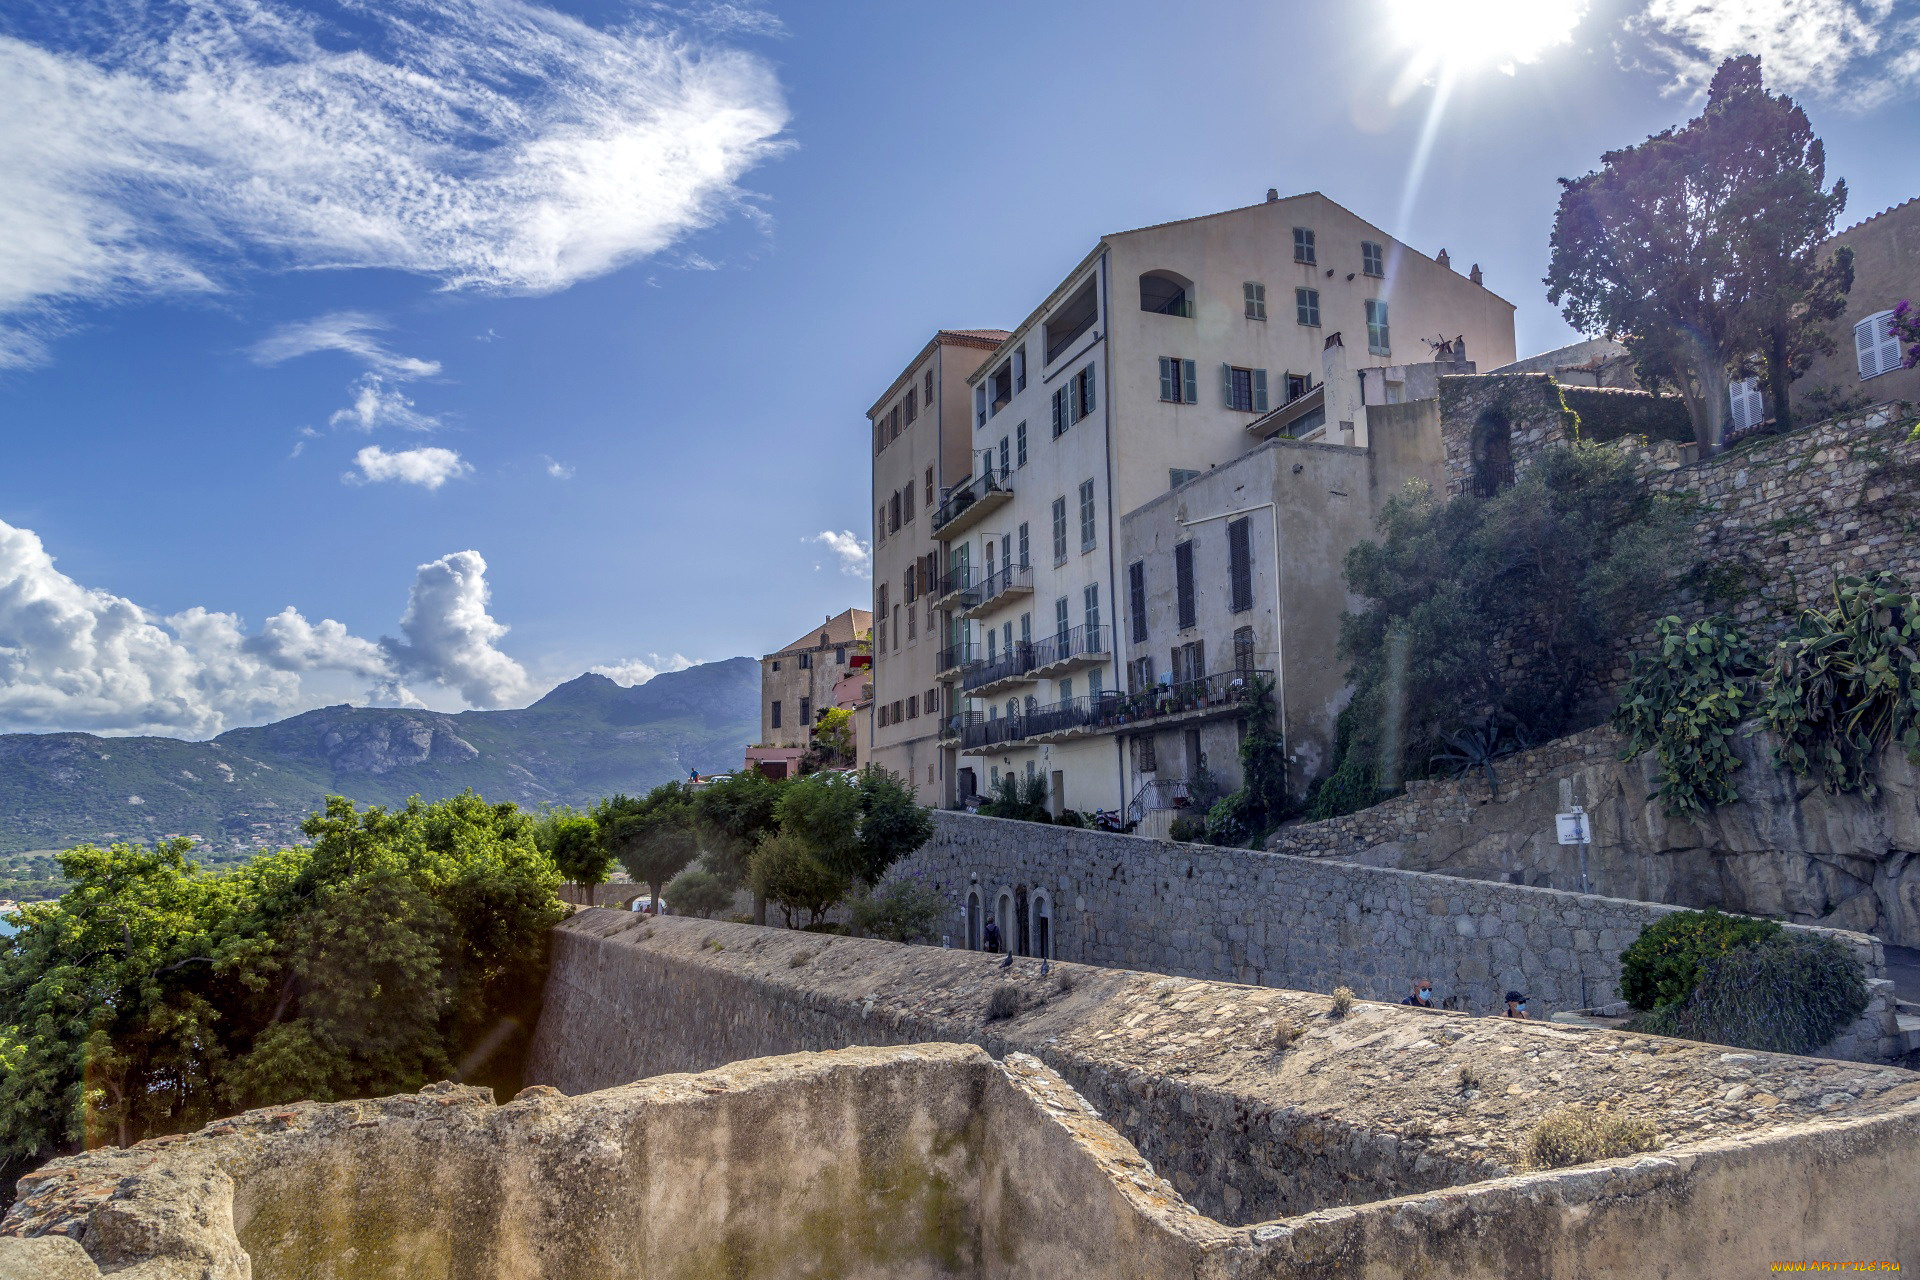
(1421, 997)
(1516, 1004)
(990, 936)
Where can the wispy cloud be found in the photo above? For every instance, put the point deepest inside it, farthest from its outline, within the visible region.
(491, 144)
(640, 670)
(558, 470)
(429, 468)
(377, 405)
(856, 558)
(352, 332)
(74, 657)
(1856, 52)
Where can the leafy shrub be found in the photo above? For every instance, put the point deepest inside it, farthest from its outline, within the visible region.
(1790, 993)
(1023, 799)
(1847, 683)
(698, 892)
(1663, 964)
(1683, 701)
(1187, 830)
(900, 910)
(1245, 817)
(1003, 1003)
(1579, 1135)
(1071, 818)
(1342, 1002)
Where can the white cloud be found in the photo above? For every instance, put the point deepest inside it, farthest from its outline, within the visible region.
(429, 468)
(79, 658)
(377, 405)
(450, 636)
(640, 670)
(1860, 52)
(856, 558)
(558, 470)
(349, 331)
(489, 144)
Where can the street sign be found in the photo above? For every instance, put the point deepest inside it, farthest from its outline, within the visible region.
(1574, 827)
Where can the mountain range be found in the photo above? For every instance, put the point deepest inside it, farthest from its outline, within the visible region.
(250, 788)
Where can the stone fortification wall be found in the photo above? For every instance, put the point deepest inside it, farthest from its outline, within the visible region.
(1356, 1108)
(1311, 923)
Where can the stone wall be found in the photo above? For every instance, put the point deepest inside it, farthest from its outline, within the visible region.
(1312, 923)
(1245, 1125)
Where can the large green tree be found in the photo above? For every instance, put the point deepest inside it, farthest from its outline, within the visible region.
(732, 817)
(1697, 247)
(857, 825)
(572, 840)
(653, 836)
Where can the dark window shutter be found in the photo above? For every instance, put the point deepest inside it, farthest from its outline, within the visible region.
(1191, 377)
(1137, 599)
(1260, 390)
(1240, 564)
(1183, 582)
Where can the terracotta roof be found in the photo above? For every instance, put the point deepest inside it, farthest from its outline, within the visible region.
(843, 628)
(982, 338)
(995, 336)
(1876, 217)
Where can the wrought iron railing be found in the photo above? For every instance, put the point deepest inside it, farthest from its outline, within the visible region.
(1015, 577)
(1160, 793)
(1013, 662)
(1223, 689)
(960, 497)
(958, 655)
(1082, 641)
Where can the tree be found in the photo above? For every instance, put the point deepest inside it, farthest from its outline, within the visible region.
(786, 873)
(698, 892)
(1246, 816)
(1696, 247)
(832, 745)
(906, 909)
(652, 836)
(1023, 799)
(733, 817)
(1488, 620)
(856, 826)
(572, 840)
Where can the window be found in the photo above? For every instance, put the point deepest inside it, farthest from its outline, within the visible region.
(1167, 294)
(1373, 258)
(913, 707)
(776, 664)
(1075, 316)
(1240, 565)
(1745, 400)
(1089, 525)
(1243, 656)
(1178, 382)
(1096, 681)
(1190, 662)
(980, 405)
(1140, 672)
(1002, 387)
(1306, 306)
(1073, 401)
(912, 403)
(880, 629)
(906, 504)
(893, 512)
(1006, 457)
(1875, 348)
(1245, 389)
(1377, 328)
(1019, 370)
(1020, 445)
(1298, 384)
(1026, 560)
(1143, 761)
(806, 659)
(893, 423)
(929, 486)
(1256, 299)
(1059, 530)
(1303, 246)
(806, 711)
(927, 391)
(1177, 476)
(774, 708)
(1061, 625)
(840, 656)
(1137, 600)
(1183, 583)
(1090, 598)
(1061, 420)
(1082, 390)
(880, 714)
(1066, 691)
(880, 522)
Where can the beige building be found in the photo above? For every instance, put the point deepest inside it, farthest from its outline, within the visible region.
(800, 681)
(1865, 367)
(921, 442)
(1165, 353)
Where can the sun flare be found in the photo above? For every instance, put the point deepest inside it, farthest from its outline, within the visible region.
(1469, 34)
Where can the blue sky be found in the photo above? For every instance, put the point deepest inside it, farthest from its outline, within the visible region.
(436, 352)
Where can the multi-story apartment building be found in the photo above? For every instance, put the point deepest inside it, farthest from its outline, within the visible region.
(922, 446)
(1167, 351)
(819, 670)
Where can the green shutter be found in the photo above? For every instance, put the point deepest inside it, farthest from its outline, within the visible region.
(1259, 390)
(1190, 376)
(1167, 390)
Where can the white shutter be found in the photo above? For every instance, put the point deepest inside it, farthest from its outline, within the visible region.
(1890, 354)
(1875, 347)
(1743, 398)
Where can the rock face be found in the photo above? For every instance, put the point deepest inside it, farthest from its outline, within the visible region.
(1786, 849)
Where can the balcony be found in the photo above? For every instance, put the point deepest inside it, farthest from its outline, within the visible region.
(1224, 693)
(952, 659)
(954, 588)
(966, 505)
(1014, 580)
(1069, 651)
(1160, 793)
(1002, 670)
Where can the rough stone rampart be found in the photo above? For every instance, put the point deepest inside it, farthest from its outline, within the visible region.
(1312, 923)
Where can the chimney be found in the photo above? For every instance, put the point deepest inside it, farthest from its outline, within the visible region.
(1474, 275)
(1444, 260)
(1273, 195)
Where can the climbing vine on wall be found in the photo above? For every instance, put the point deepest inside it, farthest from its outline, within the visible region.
(1847, 683)
(1684, 701)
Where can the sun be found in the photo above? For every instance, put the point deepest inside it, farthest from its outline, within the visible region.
(1455, 36)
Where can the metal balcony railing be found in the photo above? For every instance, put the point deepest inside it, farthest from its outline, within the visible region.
(958, 655)
(1082, 641)
(1223, 690)
(1009, 664)
(957, 579)
(1015, 577)
(1160, 793)
(960, 497)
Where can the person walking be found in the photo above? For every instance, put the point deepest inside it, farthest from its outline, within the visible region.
(991, 936)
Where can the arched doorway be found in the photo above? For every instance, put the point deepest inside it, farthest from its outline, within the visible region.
(1492, 454)
(1003, 916)
(1023, 938)
(1042, 925)
(973, 920)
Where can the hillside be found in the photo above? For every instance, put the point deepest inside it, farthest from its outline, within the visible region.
(251, 787)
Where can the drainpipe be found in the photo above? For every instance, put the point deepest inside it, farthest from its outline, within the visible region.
(1279, 609)
(1113, 507)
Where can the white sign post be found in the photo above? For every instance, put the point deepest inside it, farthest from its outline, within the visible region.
(1575, 828)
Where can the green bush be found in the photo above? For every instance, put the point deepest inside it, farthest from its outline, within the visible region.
(698, 892)
(1071, 818)
(1022, 799)
(1663, 965)
(1790, 993)
(1684, 701)
(900, 910)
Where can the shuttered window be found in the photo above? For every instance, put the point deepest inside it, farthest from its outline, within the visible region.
(1089, 517)
(1137, 599)
(1244, 389)
(1240, 564)
(1378, 336)
(1303, 245)
(1875, 347)
(1306, 306)
(1059, 530)
(1744, 398)
(1373, 258)
(1256, 299)
(1178, 383)
(1183, 583)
